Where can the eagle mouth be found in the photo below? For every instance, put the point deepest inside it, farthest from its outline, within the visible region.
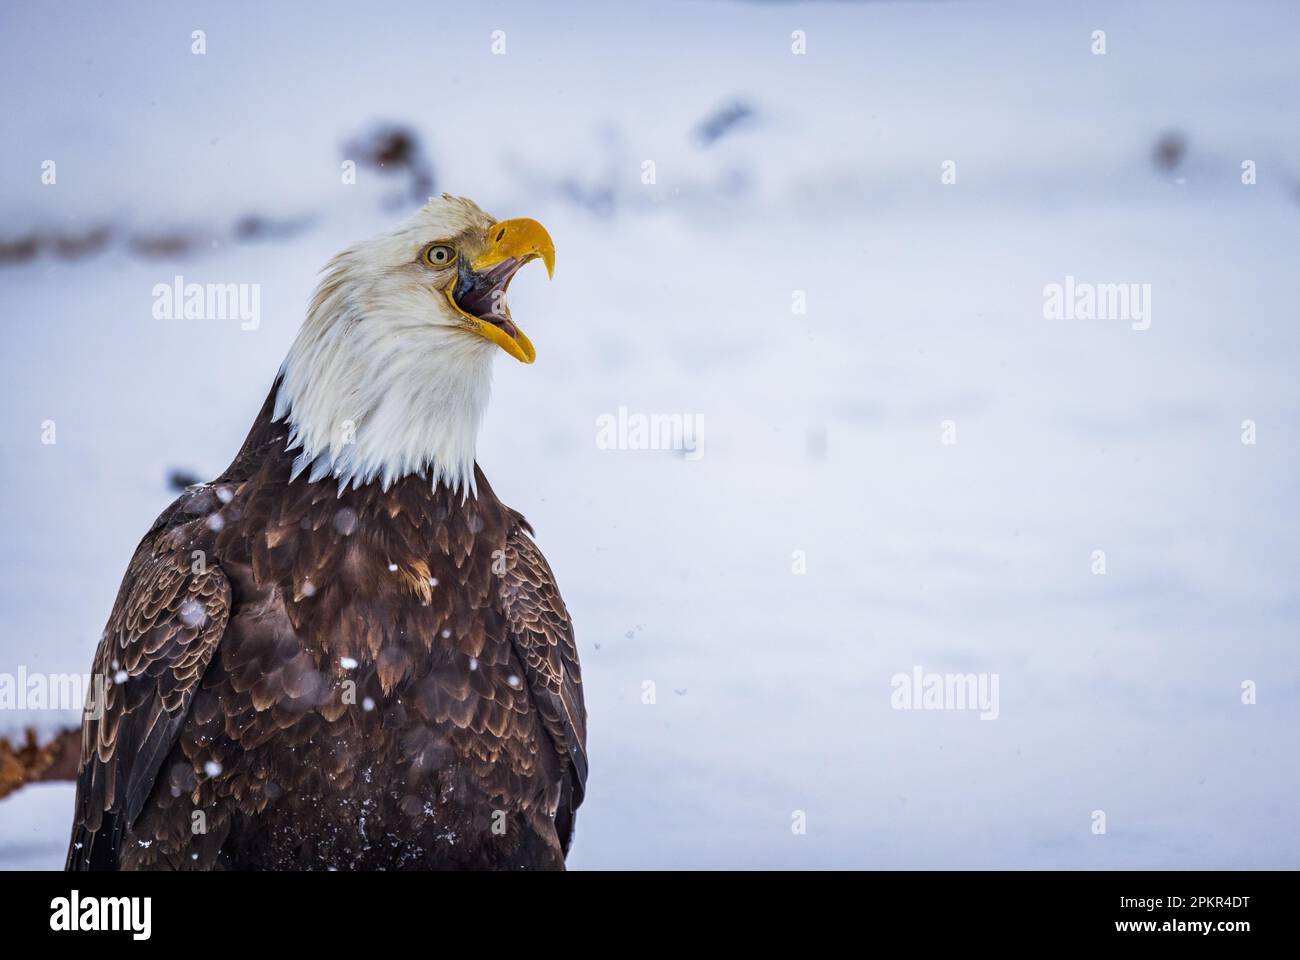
(478, 291)
(482, 296)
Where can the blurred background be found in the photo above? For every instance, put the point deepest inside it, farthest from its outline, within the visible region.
(835, 261)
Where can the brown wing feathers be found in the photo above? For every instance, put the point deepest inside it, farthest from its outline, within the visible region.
(543, 636)
(170, 614)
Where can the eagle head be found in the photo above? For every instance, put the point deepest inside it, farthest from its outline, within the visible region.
(391, 371)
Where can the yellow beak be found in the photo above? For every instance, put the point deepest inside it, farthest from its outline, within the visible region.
(524, 238)
(510, 244)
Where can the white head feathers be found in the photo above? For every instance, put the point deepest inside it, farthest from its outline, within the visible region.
(384, 379)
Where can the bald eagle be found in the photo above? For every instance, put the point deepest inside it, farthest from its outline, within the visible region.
(345, 652)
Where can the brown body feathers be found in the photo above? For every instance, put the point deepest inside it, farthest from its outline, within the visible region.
(299, 679)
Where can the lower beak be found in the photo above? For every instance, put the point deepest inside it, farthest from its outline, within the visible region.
(479, 288)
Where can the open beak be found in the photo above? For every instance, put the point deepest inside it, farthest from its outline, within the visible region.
(478, 291)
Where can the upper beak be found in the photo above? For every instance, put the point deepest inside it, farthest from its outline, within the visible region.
(478, 291)
(524, 239)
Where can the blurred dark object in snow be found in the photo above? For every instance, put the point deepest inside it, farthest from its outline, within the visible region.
(252, 227)
(74, 246)
(395, 148)
(1170, 151)
(168, 243)
(722, 122)
(19, 249)
(148, 242)
(178, 479)
(68, 246)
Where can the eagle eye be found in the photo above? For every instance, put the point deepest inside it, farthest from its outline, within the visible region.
(440, 255)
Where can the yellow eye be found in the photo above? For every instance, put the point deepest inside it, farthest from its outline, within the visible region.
(439, 255)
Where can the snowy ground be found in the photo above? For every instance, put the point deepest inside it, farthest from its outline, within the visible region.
(821, 431)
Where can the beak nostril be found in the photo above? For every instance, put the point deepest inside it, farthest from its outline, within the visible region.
(501, 234)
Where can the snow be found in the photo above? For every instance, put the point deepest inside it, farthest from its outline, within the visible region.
(35, 824)
(821, 432)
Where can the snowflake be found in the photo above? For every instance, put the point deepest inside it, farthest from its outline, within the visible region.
(192, 613)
